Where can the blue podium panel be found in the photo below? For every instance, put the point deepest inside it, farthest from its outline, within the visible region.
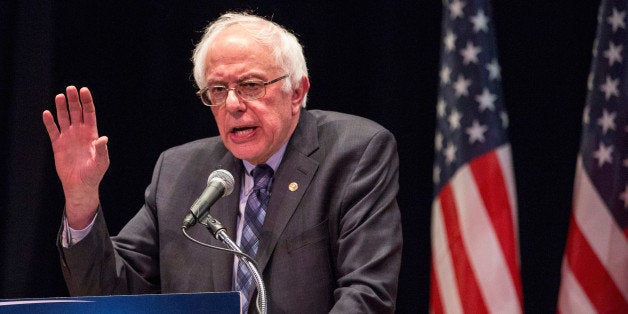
(223, 302)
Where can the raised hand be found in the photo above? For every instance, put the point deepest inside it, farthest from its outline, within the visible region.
(81, 156)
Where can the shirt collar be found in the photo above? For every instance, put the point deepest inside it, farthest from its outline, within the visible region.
(273, 161)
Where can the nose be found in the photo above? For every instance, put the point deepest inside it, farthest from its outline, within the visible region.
(234, 102)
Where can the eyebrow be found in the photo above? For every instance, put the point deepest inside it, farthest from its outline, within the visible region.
(251, 76)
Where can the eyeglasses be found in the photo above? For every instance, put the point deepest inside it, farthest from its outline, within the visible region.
(216, 95)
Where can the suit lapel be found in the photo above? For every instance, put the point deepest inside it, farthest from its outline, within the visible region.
(295, 168)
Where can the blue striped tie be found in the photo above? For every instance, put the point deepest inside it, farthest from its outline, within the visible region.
(254, 214)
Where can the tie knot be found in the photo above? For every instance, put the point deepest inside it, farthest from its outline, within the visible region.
(262, 174)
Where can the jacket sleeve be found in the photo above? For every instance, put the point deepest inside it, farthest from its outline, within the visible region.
(124, 264)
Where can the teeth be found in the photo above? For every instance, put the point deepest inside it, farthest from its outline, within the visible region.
(241, 132)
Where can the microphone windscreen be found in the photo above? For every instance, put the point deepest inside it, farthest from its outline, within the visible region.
(224, 177)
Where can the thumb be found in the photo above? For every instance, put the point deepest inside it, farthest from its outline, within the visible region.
(102, 153)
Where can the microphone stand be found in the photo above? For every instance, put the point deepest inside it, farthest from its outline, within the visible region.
(216, 228)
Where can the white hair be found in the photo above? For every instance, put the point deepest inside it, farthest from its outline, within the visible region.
(284, 46)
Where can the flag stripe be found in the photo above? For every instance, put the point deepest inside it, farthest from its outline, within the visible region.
(608, 243)
(596, 256)
(505, 158)
(465, 273)
(587, 268)
(487, 172)
(443, 269)
(482, 241)
(444, 285)
(572, 299)
(437, 306)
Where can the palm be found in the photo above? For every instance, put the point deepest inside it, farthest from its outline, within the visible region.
(75, 156)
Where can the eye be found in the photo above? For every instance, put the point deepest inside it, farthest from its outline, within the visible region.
(217, 90)
(250, 87)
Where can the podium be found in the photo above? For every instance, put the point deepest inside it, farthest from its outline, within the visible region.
(210, 302)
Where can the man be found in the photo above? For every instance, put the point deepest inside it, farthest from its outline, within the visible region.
(330, 238)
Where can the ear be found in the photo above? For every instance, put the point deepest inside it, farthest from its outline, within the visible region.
(299, 93)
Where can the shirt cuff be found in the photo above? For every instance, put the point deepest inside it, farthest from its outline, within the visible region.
(71, 236)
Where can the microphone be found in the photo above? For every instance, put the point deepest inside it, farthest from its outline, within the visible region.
(219, 184)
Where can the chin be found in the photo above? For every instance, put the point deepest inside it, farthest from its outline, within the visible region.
(244, 155)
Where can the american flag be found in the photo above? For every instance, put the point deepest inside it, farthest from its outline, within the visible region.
(475, 250)
(595, 264)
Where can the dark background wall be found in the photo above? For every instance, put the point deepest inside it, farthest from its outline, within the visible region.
(377, 59)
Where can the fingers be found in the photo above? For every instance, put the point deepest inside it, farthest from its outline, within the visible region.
(89, 111)
(74, 105)
(51, 126)
(62, 112)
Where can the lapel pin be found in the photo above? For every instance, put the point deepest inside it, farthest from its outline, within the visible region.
(293, 186)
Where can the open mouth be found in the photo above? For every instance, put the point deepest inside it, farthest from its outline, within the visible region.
(243, 131)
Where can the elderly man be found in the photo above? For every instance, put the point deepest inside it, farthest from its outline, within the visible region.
(314, 200)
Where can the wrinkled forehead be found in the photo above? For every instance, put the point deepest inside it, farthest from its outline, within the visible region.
(236, 55)
(237, 43)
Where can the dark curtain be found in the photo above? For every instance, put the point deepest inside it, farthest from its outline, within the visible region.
(377, 59)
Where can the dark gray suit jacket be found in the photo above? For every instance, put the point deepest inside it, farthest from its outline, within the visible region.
(333, 244)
